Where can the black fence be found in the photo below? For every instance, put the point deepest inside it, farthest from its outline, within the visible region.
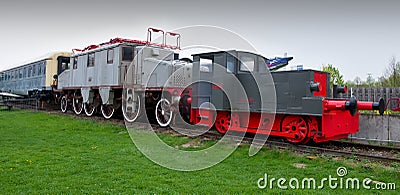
(374, 94)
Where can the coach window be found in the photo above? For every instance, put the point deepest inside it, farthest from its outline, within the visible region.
(33, 70)
(247, 63)
(20, 73)
(40, 69)
(110, 56)
(75, 65)
(127, 54)
(90, 60)
(29, 71)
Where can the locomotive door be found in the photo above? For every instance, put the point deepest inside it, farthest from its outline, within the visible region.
(247, 73)
(91, 79)
(222, 81)
(128, 66)
(202, 74)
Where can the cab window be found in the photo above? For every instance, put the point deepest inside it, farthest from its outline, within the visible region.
(110, 56)
(75, 65)
(230, 64)
(127, 54)
(64, 66)
(90, 62)
(247, 63)
(205, 65)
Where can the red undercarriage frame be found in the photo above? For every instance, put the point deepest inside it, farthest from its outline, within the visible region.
(335, 123)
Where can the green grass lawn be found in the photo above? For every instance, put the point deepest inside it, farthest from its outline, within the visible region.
(52, 154)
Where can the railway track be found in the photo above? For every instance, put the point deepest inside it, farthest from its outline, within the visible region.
(358, 151)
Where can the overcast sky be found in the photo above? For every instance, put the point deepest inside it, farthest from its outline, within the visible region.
(358, 37)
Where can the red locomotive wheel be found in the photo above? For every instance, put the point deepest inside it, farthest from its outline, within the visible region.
(223, 122)
(298, 126)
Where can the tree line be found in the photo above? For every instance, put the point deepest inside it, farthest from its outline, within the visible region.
(391, 77)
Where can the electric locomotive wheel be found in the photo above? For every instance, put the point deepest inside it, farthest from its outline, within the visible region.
(163, 112)
(131, 106)
(107, 110)
(64, 103)
(89, 108)
(223, 122)
(298, 126)
(77, 103)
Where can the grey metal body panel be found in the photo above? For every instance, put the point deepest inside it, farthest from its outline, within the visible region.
(219, 75)
(102, 74)
(151, 64)
(151, 67)
(154, 66)
(292, 88)
(201, 89)
(294, 95)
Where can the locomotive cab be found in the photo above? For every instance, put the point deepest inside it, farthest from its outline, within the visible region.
(296, 105)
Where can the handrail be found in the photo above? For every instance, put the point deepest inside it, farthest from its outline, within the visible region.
(149, 36)
(178, 40)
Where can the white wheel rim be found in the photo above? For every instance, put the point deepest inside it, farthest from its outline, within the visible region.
(88, 112)
(64, 104)
(163, 112)
(124, 111)
(105, 114)
(77, 111)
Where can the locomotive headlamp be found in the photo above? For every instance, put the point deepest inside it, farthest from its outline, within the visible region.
(314, 87)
